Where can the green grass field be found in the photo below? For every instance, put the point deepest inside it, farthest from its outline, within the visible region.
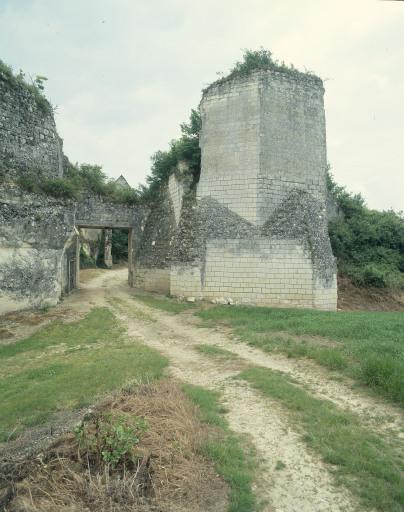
(368, 346)
(215, 352)
(67, 366)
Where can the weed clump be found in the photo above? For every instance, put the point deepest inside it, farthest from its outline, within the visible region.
(107, 439)
(261, 60)
(35, 86)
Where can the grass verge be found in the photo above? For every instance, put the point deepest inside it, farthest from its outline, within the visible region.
(214, 351)
(66, 366)
(369, 346)
(165, 304)
(233, 459)
(361, 460)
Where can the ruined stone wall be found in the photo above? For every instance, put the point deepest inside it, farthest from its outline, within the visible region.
(179, 184)
(36, 233)
(152, 264)
(217, 254)
(29, 142)
(38, 236)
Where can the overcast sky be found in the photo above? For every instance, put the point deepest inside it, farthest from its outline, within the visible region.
(125, 73)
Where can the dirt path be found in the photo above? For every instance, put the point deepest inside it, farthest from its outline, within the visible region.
(305, 483)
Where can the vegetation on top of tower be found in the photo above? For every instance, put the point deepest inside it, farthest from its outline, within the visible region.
(260, 60)
(35, 87)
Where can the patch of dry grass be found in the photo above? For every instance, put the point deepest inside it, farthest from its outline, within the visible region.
(170, 473)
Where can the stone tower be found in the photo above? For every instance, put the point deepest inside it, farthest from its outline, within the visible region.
(263, 136)
(261, 198)
(255, 230)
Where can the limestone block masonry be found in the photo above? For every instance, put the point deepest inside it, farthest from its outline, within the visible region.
(262, 137)
(255, 230)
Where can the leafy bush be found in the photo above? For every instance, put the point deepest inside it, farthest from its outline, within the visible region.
(374, 275)
(368, 244)
(59, 187)
(109, 439)
(119, 245)
(28, 182)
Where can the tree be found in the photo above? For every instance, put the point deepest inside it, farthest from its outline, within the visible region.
(368, 244)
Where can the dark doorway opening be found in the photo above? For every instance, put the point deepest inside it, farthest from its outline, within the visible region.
(120, 245)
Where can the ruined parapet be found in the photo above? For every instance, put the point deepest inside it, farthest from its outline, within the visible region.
(259, 228)
(29, 142)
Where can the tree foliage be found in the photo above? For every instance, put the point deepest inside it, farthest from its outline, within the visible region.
(119, 245)
(186, 148)
(77, 182)
(368, 244)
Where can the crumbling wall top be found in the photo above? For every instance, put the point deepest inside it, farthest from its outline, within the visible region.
(29, 142)
(226, 84)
